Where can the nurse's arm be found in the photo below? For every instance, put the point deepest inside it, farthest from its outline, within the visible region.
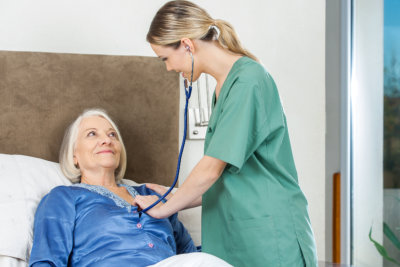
(161, 190)
(202, 177)
(195, 203)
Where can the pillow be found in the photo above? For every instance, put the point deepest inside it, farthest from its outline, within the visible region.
(24, 181)
(12, 262)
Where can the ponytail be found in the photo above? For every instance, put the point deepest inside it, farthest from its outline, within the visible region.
(228, 39)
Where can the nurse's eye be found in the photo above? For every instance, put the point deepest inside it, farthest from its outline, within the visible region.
(164, 59)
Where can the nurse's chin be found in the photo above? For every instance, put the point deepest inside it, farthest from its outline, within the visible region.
(187, 76)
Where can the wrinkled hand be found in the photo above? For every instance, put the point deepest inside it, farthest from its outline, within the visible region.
(145, 201)
(159, 189)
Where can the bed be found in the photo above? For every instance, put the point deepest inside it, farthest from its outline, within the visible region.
(41, 93)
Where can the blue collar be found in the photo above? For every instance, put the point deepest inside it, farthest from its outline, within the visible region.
(120, 202)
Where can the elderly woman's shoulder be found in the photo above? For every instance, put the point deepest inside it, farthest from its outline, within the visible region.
(58, 195)
(64, 190)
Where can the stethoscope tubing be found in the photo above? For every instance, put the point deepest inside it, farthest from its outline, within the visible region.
(188, 93)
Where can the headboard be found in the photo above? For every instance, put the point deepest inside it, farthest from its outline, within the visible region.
(42, 93)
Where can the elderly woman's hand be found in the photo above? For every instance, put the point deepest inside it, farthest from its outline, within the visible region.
(145, 201)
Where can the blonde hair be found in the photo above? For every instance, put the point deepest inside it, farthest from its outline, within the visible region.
(66, 156)
(183, 19)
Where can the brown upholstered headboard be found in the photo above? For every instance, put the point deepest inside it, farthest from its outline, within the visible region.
(42, 93)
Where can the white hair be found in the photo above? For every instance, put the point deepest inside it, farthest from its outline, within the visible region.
(70, 170)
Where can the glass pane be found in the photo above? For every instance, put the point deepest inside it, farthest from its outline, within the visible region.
(392, 130)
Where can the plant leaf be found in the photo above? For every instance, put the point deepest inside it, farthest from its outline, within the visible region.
(392, 237)
(382, 250)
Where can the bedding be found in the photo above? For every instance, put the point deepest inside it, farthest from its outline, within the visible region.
(7, 261)
(197, 259)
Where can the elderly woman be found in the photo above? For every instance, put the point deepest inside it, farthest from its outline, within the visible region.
(96, 222)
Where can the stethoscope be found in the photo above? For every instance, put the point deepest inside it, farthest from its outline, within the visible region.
(188, 92)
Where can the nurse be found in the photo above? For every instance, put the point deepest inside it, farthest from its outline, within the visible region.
(253, 210)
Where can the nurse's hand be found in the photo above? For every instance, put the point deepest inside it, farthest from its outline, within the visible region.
(145, 201)
(159, 189)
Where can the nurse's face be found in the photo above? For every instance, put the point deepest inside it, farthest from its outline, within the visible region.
(97, 145)
(178, 60)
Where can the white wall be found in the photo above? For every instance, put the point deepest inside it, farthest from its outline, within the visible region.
(90, 27)
(287, 36)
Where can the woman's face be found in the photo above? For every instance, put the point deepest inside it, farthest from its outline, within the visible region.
(178, 60)
(97, 145)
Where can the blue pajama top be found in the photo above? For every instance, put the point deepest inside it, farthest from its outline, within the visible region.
(88, 225)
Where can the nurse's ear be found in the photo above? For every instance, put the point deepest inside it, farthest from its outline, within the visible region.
(188, 44)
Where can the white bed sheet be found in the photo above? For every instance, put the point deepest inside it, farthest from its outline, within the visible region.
(196, 259)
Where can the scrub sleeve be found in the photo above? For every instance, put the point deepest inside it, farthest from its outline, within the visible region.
(255, 214)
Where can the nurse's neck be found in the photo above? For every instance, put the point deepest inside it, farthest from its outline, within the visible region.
(216, 61)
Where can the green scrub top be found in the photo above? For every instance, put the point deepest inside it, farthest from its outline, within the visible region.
(255, 214)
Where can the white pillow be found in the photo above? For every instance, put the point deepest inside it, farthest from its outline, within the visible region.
(6, 261)
(24, 181)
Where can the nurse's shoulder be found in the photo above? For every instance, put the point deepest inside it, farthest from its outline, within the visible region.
(252, 72)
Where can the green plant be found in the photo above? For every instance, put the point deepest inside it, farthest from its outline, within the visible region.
(391, 236)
